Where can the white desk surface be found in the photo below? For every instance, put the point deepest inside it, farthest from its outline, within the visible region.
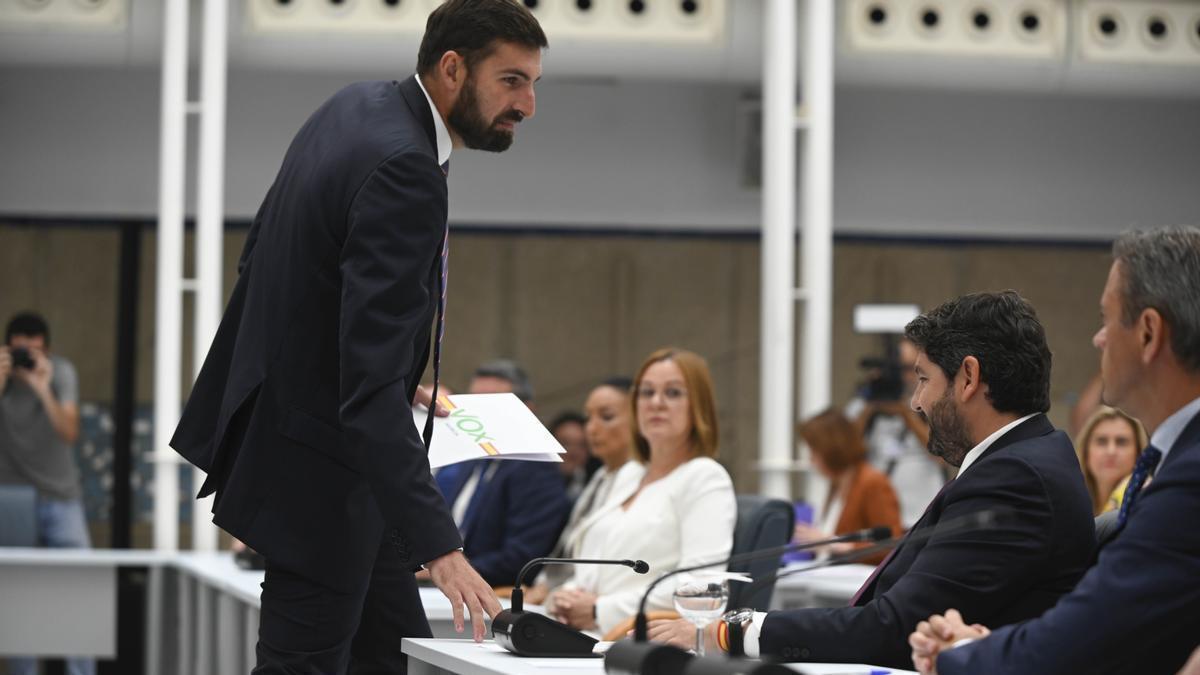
(83, 557)
(218, 570)
(489, 658)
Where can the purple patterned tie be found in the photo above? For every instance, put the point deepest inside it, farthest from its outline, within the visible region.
(443, 277)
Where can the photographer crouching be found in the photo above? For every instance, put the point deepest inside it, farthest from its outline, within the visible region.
(39, 425)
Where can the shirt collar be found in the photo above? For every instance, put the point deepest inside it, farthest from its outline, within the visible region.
(987, 443)
(444, 144)
(1169, 431)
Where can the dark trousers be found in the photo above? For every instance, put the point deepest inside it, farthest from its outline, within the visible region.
(307, 628)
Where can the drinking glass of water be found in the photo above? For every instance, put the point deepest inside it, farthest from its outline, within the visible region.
(701, 600)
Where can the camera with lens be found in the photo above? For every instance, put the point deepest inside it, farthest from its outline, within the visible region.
(885, 379)
(21, 358)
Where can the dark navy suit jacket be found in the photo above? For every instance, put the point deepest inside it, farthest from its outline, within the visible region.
(1008, 573)
(300, 413)
(1136, 611)
(513, 516)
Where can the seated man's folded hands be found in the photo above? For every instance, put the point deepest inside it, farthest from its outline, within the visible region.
(940, 633)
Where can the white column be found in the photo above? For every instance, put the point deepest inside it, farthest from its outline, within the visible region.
(778, 248)
(817, 219)
(210, 221)
(168, 313)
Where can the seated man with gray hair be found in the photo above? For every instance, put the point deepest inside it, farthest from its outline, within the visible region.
(508, 512)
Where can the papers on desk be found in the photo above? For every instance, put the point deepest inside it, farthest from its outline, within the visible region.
(481, 426)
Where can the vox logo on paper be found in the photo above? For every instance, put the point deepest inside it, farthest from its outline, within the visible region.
(462, 422)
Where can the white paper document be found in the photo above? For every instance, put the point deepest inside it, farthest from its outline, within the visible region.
(480, 426)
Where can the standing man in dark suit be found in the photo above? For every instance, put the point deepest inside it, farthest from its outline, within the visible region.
(299, 415)
(1135, 610)
(983, 384)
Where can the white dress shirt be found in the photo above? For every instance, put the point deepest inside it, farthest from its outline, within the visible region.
(683, 518)
(600, 490)
(1171, 428)
(444, 143)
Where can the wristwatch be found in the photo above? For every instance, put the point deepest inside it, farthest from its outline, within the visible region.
(736, 621)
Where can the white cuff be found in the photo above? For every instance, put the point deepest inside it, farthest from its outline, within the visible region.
(964, 641)
(750, 636)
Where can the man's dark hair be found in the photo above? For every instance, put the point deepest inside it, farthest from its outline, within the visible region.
(622, 383)
(511, 372)
(29, 324)
(566, 417)
(473, 27)
(1160, 269)
(1002, 331)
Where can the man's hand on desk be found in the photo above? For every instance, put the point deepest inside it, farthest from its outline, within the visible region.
(681, 633)
(938, 634)
(462, 585)
(424, 396)
(573, 607)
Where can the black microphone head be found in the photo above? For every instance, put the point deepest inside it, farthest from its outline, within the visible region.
(879, 533)
(640, 566)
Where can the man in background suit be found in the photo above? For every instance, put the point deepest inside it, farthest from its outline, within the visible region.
(507, 512)
(1135, 610)
(299, 415)
(983, 384)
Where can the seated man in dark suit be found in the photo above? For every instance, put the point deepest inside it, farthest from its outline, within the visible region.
(983, 372)
(1135, 610)
(508, 512)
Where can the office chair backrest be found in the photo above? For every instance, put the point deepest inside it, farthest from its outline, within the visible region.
(18, 524)
(762, 522)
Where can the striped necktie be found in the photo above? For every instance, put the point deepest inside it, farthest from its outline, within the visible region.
(443, 277)
(1141, 471)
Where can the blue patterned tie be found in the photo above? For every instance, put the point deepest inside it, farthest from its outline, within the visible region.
(443, 277)
(1144, 468)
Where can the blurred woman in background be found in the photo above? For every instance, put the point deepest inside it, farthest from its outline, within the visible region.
(860, 496)
(577, 466)
(1108, 446)
(680, 513)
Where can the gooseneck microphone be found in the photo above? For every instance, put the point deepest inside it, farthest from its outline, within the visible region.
(980, 520)
(518, 596)
(532, 634)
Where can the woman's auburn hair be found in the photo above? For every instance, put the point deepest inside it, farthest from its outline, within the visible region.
(835, 438)
(701, 398)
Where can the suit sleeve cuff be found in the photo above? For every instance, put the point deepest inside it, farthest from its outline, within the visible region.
(425, 565)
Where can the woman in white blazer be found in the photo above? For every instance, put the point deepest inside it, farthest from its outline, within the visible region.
(607, 416)
(681, 512)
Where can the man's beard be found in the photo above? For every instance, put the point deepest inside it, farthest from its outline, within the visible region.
(476, 132)
(948, 436)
